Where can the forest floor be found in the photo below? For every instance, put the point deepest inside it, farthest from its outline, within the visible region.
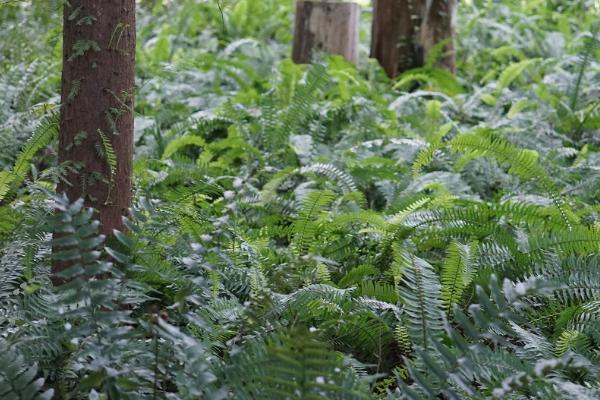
(313, 232)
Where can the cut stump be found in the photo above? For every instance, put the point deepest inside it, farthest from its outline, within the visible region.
(328, 27)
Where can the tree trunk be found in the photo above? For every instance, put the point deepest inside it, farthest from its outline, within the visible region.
(405, 32)
(394, 39)
(96, 120)
(329, 27)
(438, 28)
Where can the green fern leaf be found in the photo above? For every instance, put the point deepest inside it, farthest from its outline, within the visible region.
(111, 161)
(44, 134)
(292, 366)
(18, 380)
(378, 290)
(420, 293)
(514, 71)
(457, 273)
(305, 227)
(176, 144)
(572, 340)
(523, 163)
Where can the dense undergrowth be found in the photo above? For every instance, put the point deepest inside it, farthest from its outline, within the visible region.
(313, 232)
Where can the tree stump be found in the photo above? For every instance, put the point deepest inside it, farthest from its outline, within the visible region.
(394, 38)
(325, 26)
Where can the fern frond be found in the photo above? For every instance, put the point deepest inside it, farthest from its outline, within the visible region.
(111, 161)
(6, 179)
(457, 273)
(579, 241)
(332, 172)
(19, 380)
(378, 290)
(292, 366)
(317, 300)
(177, 144)
(591, 45)
(44, 134)
(523, 163)
(425, 156)
(9, 218)
(362, 217)
(403, 338)
(587, 318)
(305, 227)
(514, 71)
(357, 274)
(572, 340)
(365, 332)
(420, 293)
(278, 126)
(401, 215)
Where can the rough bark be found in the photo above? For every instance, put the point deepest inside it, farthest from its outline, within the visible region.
(394, 38)
(97, 106)
(438, 27)
(329, 27)
(405, 32)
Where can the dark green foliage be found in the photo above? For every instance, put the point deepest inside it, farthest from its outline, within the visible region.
(520, 362)
(18, 380)
(295, 366)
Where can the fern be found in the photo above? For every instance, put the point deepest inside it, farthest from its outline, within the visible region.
(295, 366)
(457, 273)
(378, 290)
(356, 275)
(591, 44)
(111, 161)
(425, 156)
(523, 163)
(18, 380)
(577, 282)
(306, 225)
(403, 338)
(45, 133)
(181, 142)
(452, 371)
(93, 290)
(578, 241)
(81, 47)
(420, 293)
(482, 142)
(513, 72)
(310, 231)
(9, 220)
(317, 300)
(572, 340)
(333, 173)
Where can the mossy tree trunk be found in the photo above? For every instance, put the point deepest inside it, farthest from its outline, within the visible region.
(406, 32)
(96, 119)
